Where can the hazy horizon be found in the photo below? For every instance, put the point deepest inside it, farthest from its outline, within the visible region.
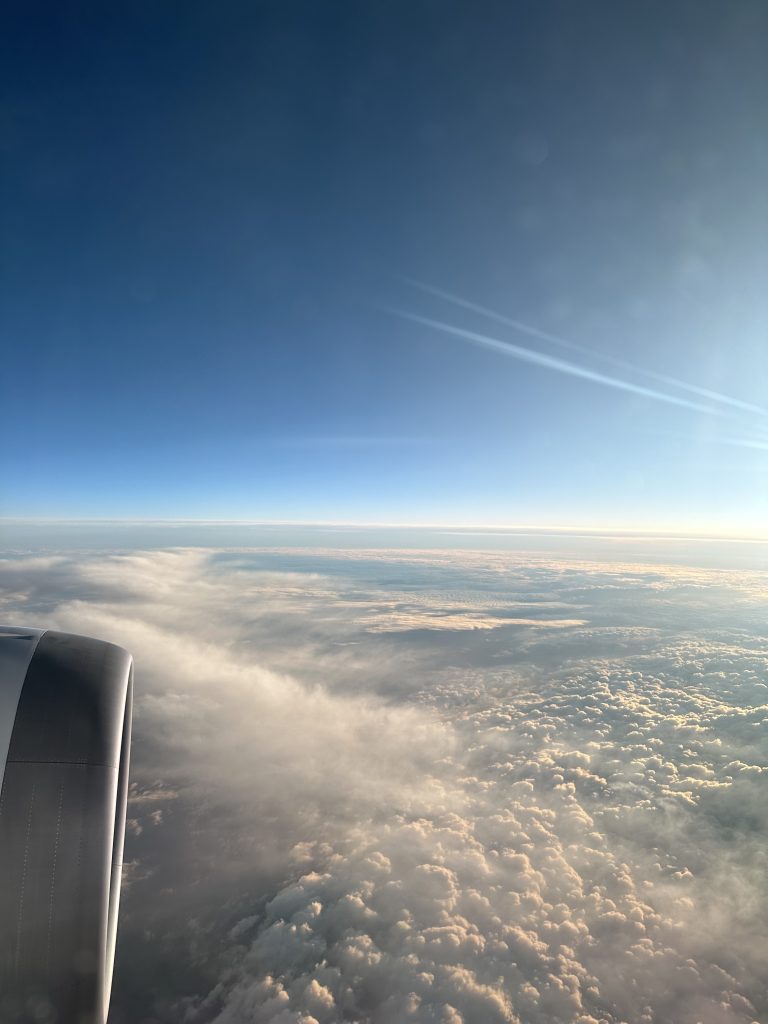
(640, 547)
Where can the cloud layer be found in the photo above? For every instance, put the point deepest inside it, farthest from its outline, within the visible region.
(432, 786)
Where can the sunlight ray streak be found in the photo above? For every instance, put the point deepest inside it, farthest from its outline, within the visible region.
(554, 339)
(553, 363)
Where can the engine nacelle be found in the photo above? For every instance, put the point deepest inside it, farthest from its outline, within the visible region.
(65, 731)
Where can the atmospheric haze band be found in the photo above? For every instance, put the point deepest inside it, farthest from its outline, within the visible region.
(62, 826)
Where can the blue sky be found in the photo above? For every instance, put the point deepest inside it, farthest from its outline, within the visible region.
(214, 217)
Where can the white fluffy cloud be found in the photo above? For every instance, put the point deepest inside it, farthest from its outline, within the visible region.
(341, 812)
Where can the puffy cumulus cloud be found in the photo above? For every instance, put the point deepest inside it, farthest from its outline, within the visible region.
(339, 813)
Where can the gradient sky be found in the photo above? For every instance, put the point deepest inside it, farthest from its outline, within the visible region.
(216, 217)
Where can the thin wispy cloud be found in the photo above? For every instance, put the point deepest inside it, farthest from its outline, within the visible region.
(344, 441)
(528, 355)
(689, 438)
(554, 339)
(743, 442)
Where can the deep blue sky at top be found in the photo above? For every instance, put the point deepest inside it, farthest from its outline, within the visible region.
(209, 210)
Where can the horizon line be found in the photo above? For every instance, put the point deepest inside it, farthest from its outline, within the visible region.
(670, 532)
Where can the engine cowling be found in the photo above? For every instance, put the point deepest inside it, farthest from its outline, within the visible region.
(65, 729)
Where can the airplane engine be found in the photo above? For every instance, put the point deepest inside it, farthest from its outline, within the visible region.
(65, 729)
